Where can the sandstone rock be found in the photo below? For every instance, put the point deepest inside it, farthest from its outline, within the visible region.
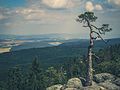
(74, 83)
(103, 81)
(71, 89)
(103, 77)
(94, 83)
(93, 88)
(88, 88)
(109, 86)
(55, 87)
(117, 81)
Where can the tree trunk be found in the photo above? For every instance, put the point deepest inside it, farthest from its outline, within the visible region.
(89, 60)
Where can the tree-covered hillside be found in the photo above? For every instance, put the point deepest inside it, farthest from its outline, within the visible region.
(109, 60)
(38, 78)
(49, 56)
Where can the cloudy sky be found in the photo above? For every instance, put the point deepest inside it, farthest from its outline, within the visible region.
(29, 17)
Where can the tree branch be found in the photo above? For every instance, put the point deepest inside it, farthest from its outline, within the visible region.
(94, 26)
(95, 38)
(100, 37)
(85, 26)
(99, 29)
(96, 56)
(78, 20)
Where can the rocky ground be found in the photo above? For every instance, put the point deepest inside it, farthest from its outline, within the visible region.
(103, 81)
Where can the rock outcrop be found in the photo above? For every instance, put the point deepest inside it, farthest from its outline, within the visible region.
(103, 81)
(117, 81)
(103, 77)
(108, 81)
(109, 86)
(74, 83)
(55, 87)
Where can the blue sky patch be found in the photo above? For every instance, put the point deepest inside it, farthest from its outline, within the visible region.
(12, 3)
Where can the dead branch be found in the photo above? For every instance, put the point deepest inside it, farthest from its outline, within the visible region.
(100, 37)
(96, 56)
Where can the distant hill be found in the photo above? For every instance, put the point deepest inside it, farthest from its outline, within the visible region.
(48, 56)
(39, 43)
(28, 45)
(36, 37)
(19, 42)
(85, 42)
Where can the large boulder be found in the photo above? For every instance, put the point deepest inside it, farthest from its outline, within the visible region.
(74, 83)
(109, 86)
(71, 89)
(117, 81)
(103, 77)
(55, 87)
(93, 88)
(103, 81)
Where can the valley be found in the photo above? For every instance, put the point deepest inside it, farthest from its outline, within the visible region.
(15, 42)
(53, 54)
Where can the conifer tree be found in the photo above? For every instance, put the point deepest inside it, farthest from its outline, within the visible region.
(15, 79)
(95, 32)
(35, 77)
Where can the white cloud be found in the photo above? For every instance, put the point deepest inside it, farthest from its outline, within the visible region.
(89, 6)
(30, 13)
(23, 11)
(37, 15)
(98, 7)
(2, 17)
(58, 3)
(28, 10)
(115, 2)
(4, 13)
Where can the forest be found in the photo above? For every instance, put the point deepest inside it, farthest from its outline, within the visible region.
(39, 78)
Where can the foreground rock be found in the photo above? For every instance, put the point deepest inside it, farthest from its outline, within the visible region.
(103, 81)
(88, 88)
(108, 81)
(71, 89)
(117, 81)
(93, 88)
(74, 83)
(103, 77)
(55, 87)
(109, 86)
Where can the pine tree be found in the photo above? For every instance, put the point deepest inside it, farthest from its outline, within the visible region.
(15, 79)
(35, 77)
(87, 19)
(54, 76)
(3, 85)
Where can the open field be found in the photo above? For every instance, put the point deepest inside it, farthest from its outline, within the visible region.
(2, 50)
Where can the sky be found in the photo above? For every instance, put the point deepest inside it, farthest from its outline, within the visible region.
(34, 17)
